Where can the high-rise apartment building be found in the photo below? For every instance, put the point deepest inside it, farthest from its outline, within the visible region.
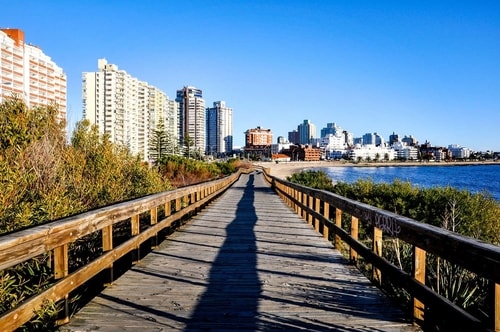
(123, 107)
(331, 129)
(307, 132)
(219, 129)
(30, 74)
(192, 120)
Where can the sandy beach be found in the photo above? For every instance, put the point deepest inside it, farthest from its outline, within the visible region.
(283, 169)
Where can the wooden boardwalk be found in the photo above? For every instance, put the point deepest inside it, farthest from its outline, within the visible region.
(246, 263)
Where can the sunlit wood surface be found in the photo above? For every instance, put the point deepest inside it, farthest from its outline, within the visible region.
(246, 263)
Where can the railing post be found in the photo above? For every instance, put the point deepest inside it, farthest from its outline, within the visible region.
(354, 235)
(298, 196)
(326, 214)
(377, 249)
(168, 208)
(419, 275)
(305, 202)
(107, 245)
(61, 259)
(338, 223)
(317, 209)
(154, 220)
(178, 204)
(497, 308)
(134, 225)
(310, 205)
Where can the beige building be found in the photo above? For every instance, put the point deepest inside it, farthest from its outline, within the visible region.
(125, 108)
(25, 71)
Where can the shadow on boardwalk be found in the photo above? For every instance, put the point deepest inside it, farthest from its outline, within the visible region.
(246, 263)
(233, 284)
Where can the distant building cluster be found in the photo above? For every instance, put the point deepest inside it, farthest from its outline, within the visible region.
(129, 111)
(30, 74)
(138, 115)
(133, 113)
(334, 143)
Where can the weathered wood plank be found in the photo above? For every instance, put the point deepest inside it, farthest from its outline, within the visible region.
(246, 263)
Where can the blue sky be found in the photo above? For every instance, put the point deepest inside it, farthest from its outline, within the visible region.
(430, 69)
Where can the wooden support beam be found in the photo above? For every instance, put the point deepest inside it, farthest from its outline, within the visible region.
(354, 234)
(135, 229)
(377, 249)
(154, 221)
(317, 208)
(326, 214)
(497, 307)
(310, 206)
(61, 261)
(338, 223)
(419, 258)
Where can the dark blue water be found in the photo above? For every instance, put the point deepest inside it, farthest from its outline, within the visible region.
(475, 178)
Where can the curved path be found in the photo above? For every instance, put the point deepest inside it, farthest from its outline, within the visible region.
(245, 263)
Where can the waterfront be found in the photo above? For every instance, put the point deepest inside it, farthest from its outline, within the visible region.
(475, 178)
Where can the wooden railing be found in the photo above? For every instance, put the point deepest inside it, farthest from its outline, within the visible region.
(56, 238)
(325, 211)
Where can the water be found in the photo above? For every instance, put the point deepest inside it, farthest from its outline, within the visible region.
(475, 178)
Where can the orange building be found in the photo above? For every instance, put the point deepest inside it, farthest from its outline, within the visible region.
(258, 137)
(27, 72)
(312, 154)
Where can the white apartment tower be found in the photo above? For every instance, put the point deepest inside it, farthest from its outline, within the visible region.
(30, 74)
(192, 118)
(219, 129)
(122, 107)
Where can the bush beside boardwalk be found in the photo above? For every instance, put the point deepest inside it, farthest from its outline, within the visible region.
(44, 178)
(473, 215)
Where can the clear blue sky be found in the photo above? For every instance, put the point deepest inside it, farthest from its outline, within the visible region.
(430, 69)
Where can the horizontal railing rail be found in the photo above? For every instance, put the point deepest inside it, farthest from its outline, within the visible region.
(324, 211)
(55, 239)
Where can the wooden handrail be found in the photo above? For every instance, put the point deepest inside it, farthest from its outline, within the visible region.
(56, 237)
(479, 257)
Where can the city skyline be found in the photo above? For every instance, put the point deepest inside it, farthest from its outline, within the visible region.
(427, 69)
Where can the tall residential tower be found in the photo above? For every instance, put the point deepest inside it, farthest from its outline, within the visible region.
(219, 129)
(192, 125)
(30, 74)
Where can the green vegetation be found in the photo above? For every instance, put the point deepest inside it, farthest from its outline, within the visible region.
(473, 215)
(44, 178)
(313, 179)
(182, 171)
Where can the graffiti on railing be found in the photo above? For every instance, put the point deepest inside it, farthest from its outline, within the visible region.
(387, 224)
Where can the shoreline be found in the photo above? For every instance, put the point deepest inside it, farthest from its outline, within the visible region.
(287, 168)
